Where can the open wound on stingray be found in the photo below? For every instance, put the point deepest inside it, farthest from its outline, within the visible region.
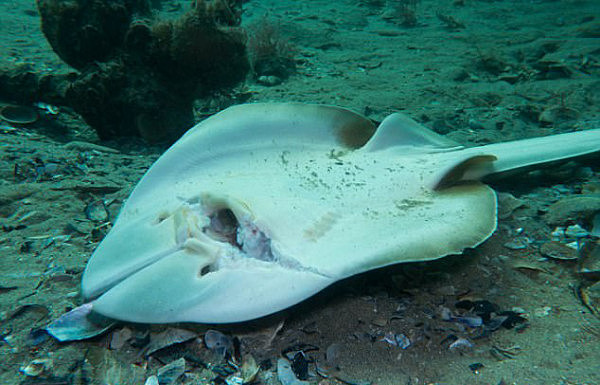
(263, 205)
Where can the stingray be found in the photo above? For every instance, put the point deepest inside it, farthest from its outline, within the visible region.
(263, 205)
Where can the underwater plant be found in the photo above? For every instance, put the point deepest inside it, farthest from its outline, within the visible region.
(403, 11)
(270, 54)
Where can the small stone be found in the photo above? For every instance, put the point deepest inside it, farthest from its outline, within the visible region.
(558, 234)
(475, 125)
(596, 226)
(447, 290)
(507, 203)
(589, 265)
(332, 354)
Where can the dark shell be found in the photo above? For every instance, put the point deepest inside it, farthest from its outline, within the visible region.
(18, 114)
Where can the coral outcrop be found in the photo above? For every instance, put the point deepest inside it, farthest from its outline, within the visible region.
(137, 74)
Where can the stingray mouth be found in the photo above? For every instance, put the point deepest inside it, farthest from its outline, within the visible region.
(222, 233)
(243, 235)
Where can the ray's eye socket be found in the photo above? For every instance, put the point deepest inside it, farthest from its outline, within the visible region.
(162, 217)
(205, 270)
(223, 226)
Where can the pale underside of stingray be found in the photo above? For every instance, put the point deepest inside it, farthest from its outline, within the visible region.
(263, 205)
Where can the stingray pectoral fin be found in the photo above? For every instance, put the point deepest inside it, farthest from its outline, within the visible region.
(176, 289)
(129, 247)
(400, 131)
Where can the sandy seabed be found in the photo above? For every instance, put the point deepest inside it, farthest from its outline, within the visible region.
(517, 69)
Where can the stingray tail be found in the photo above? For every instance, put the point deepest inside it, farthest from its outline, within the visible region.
(477, 162)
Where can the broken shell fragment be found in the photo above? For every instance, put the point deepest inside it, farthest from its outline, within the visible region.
(96, 211)
(460, 344)
(576, 232)
(79, 324)
(167, 338)
(169, 373)
(37, 367)
(558, 251)
(119, 338)
(286, 375)
(18, 114)
(249, 369)
(589, 260)
(400, 340)
(152, 380)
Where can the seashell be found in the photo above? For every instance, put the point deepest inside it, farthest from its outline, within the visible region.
(18, 114)
(460, 344)
(218, 342)
(79, 324)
